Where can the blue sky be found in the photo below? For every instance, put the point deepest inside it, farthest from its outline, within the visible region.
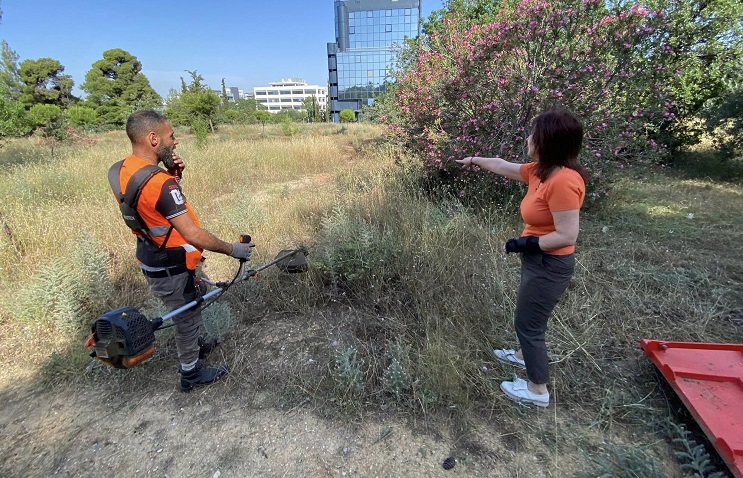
(249, 43)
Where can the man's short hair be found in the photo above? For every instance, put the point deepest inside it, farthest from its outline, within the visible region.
(142, 122)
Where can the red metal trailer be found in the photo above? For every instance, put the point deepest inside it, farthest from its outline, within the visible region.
(709, 380)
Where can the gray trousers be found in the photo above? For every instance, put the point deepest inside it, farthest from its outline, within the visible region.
(176, 291)
(544, 278)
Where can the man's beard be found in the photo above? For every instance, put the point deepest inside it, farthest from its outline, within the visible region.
(165, 154)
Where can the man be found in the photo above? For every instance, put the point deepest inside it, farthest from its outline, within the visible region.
(169, 249)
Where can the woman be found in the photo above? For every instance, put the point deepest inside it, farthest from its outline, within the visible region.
(550, 209)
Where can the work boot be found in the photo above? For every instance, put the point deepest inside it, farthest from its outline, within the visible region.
(201, 375)
(206, 346)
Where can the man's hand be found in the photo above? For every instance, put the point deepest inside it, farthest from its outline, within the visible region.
(241, 250)
(179, 162)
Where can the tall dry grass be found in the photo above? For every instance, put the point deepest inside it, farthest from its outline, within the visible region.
(408, 275)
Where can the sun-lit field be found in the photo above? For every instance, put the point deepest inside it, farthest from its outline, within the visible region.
(406, 296)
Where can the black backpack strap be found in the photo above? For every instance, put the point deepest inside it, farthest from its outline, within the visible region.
(133, 191)
(114, 180)
(136, 184)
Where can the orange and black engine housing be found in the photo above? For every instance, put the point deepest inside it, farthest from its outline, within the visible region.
(122, 338)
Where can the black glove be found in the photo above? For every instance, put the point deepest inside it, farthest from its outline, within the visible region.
(523, 244)
(241, 250)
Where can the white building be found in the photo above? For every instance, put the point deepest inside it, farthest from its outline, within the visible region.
(289, 94)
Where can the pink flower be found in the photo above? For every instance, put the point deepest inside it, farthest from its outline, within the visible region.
(638, 9)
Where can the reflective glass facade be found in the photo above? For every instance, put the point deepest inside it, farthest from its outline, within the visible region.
(366, 33)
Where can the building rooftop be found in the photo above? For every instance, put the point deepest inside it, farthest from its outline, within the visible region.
(289, 82)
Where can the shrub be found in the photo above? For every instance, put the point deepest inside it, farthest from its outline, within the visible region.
(200, 129)
(348, 116)
(396, 377)
(81, 116)
(615, 461)
(69, 293)
(289, 127)
(475, 89)
(356, 256)
(349, 378)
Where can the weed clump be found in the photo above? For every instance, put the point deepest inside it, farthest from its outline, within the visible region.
(396, 377)
(348, 375)
(68, 292)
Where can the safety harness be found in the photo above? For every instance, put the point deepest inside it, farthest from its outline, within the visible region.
(128, 201)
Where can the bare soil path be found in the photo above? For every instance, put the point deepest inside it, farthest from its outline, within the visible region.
(137, 423)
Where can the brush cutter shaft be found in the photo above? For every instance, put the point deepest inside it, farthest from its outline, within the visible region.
(191, 304)
(253, 272)
(223, 285)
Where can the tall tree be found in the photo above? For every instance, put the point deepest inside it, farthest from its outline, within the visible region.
(704, 41)
(312, 108)
(225, 100)
(10, 77)
(45, 83)
(117, 87)
(49, 121)
(196, 103)
(13, 117)
(263, 116)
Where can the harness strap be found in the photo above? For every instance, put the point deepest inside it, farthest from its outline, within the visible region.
(129, 199)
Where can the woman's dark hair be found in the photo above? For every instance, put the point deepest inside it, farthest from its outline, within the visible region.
(557, 136)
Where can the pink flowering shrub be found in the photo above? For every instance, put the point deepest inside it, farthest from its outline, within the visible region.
(474, 89)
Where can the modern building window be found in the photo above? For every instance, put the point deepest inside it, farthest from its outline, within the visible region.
(367, 35)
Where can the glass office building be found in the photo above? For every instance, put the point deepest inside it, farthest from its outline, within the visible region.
(366, 35)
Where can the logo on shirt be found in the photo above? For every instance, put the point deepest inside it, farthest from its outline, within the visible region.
(177, 196)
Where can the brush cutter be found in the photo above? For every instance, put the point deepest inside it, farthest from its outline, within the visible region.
(124, 338)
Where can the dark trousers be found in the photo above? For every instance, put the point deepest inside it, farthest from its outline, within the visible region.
(176, 291)
(544, 278)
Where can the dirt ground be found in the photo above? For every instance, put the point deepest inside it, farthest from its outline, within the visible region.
(108, 422)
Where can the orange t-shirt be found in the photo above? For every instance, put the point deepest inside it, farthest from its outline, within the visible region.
(564, 190)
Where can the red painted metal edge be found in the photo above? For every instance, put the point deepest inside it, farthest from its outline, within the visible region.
(709, 380)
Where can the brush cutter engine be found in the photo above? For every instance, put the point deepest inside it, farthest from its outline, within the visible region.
(123, 338)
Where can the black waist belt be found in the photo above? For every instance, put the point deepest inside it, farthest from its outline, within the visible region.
(170, 271)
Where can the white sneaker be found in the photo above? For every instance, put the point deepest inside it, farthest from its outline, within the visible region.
(509, 357)
(518, 391)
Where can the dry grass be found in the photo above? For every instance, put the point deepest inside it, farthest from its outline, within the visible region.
(391, 266)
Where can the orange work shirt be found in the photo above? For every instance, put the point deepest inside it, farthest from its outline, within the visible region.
(564, 190)
(161, 199)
